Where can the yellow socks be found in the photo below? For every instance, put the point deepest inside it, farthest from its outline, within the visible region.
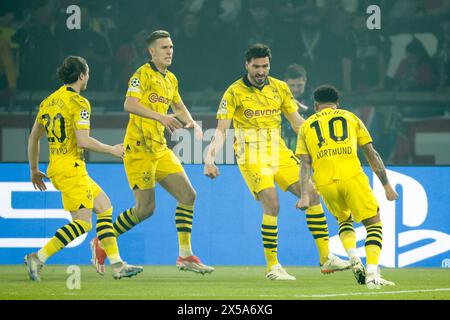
(373, 243)
(125, 221)
(105, 233)
(63, 237)
(269, 232)
(348, 237)
(184, 215)
(317, 225)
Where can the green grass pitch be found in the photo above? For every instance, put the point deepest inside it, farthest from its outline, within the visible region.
(237, 283)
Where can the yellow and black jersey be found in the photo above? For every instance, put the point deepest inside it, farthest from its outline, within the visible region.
(256, 112)
(331, 138)
(155, 91)
(62, 113)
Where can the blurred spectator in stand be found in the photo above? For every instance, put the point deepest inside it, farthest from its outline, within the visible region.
(225, 43)
(437, 8)
(443, 56)
(369, 63)
(132, 55)
(296, 78)
(39, 50)
(324, 47)
(416, 71)
(191, 53)
(8, 74)
(258, 26)
(89, 44)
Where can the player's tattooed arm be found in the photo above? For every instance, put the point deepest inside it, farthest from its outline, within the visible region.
(377, 166)
(375, 162)
(305, 172)
(305, 177)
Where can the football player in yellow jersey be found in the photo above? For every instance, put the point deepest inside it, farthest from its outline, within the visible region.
(152, 90)
(255, 104)
(64, 117)
(328, 142)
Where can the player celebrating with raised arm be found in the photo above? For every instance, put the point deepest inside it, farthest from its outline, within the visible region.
(328, 141)
(152, 89)
(65, 117)
(254, 104)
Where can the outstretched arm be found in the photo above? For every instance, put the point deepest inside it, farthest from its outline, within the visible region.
(295, 119)
(377, 165)
(185, 116)
(133, 106)
(85, 141)
(33, 156)
(216, 145)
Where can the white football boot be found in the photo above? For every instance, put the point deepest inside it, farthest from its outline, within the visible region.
(334, 263)
(278, 273)
(34, 266)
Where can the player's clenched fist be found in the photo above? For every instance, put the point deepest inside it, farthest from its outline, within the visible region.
(170, 122)
(391, 194)
(118, 151)
(211, 170)
(303, 203)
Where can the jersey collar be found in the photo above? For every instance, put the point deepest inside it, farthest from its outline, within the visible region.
(153, 66)
(71, 89)
(249, 84)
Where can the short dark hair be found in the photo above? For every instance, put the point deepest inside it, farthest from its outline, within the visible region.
(295, 71)
(326, 94)
(155, 35)
(71, 68)
(258, 50)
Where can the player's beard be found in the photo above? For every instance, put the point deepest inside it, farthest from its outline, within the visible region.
(259, 80)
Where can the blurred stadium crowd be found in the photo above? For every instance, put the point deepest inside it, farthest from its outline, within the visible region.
(328, 37)
(390, 77)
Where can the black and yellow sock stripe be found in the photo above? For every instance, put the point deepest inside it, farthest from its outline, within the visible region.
(184, 216)
(124, 222)
(317, 225)
(104, 225)
(269, 236)
(346, 226)
(374, 235)
(71, 231)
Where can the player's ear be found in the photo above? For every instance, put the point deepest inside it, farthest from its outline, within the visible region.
(246, 65)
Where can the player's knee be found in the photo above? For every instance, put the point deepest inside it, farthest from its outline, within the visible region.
(190, 197)
(144, 212)
(274, 208)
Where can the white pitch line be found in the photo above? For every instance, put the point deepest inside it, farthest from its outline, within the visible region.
(376, 292)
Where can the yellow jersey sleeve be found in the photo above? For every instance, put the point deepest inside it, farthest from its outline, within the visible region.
(39, 115)
(81, 112)
(176, 96)
(288, 105)
(138, 84)
(227, 106)
(362, 133)
(301, 143)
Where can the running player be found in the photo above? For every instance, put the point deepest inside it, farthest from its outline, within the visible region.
(152, 90)
(328, 141)
(65, 117)
(254, 104)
